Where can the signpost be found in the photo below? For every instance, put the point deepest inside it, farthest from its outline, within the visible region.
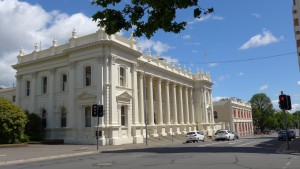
(285, 104)
(97, 111)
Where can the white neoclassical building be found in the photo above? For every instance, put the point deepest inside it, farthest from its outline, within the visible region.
(63, 82)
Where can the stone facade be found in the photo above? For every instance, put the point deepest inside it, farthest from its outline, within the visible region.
(62, 83)
(236, 114)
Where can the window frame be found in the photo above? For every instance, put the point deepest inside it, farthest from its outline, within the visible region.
(122, 76)
(87, 119)
(63, 117)
(44, 85)
(64, 82)
(87, 76)
(28, 86)
(123, 116)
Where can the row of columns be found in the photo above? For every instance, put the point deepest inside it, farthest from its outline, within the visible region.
(182, 109)
(244, 128)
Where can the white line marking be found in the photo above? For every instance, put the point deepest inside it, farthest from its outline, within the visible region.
(2, 155)
(210, 144)
(235, 142)
(246, 144)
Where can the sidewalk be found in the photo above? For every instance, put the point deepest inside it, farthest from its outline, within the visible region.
(294, 147)
(39, 152)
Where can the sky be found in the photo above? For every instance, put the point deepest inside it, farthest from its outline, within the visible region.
(248, 47)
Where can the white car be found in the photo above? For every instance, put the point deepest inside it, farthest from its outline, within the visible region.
(193, 136)
(224, 135)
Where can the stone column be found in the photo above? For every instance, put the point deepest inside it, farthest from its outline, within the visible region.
(135, 109)
(167, 102)
(141, 99)
(51, 98)
(192, 115)
(72, 89)
(19, 93)
(180, 105)
(151, 106)
(186, 108)
(159, 99)
(33, 93)
(174, 105)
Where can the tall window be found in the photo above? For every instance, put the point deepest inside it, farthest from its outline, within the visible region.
(63, 118)
(122, 76)
(215, 114)
(123, 115)
(44, 85)
(27, 88)
(44, 118)
(87, 116)
(64, 82)
(88, 75)
(13, 98)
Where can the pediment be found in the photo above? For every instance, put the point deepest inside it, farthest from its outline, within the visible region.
(124, 96)
(86, 95)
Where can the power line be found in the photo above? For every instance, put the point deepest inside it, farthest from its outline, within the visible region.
(248, 59)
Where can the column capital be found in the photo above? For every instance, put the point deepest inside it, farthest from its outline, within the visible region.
(33, 75)
(159, 80)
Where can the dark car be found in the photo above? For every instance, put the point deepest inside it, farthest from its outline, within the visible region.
(292, 133)
(282, 135)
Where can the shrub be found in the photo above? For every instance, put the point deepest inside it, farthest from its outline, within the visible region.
(12, 122)
(34, 128)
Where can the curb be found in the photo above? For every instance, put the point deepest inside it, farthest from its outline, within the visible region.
(46, 158)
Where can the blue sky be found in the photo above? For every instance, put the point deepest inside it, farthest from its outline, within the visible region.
(238, 30)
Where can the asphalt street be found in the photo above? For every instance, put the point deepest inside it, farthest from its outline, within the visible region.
(253, 152)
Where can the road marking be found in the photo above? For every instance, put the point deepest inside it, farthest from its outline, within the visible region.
(289, 162)
(2, 155)
(210, 144)
(235, 142)
(246, 144)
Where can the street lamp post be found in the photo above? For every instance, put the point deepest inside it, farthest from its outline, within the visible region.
(145, 104)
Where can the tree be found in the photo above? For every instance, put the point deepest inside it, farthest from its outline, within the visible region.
(145, 16)
(34, 127)
(262, 110)
(12, 122)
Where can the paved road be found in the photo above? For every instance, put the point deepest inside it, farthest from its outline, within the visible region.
(258, 152)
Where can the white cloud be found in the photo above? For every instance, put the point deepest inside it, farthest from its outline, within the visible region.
(264, 87)
(157, 46)
(213, 64)
(241, 74)
(298, 83)
(218, 98)
(205, 18)
(256, 15)
(23, 25)
(186, 37)
(260, 40)
(192, 43)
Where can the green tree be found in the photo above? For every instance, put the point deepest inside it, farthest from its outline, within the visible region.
(12, 122)
(34, 127)
(262, 111)
(145, 16)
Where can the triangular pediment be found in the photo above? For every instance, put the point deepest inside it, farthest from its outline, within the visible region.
(124, 96)
(86, 95)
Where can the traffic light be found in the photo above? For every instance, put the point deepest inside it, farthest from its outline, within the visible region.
(100, 111)
(94, 110)
(285, 102)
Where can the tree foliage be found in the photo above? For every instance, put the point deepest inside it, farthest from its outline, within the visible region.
(262, 111)
(145, 16)
(12, 122)
(34, 127)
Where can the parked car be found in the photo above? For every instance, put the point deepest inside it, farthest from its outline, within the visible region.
(282, 135)
(193, 136)
(224, 135)
(236, 135)
(292, 133)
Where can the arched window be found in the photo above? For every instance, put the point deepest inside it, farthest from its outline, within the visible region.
(44, 118)
(87, 116)
(44, 84)
(88, 76)
(64, 82)
(122, 75)
(63, 118)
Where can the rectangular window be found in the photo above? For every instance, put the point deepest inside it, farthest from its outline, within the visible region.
(88, 75)
(63, 117)
(215, 114)
(123, 116)
(44, 86)
(28, 88)
(296, 23)
(122, 76)
(13, 98)
(87, 116)
(64, 82)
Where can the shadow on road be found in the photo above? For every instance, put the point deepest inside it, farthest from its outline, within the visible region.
(267, 147)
